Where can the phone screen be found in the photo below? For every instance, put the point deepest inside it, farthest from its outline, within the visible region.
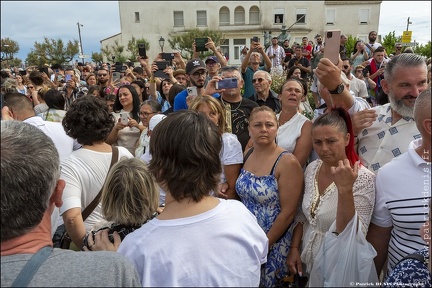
(200, 44)
(142, 51)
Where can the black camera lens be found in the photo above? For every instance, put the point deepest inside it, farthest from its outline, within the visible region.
(329, 34)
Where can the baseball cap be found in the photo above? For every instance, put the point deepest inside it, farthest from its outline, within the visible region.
(214, 58)
(178, 72)
(155, 120)
(194, 65)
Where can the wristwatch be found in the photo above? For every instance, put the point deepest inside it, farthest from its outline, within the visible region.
(339, 89)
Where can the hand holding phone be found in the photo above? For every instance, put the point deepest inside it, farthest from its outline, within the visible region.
(192, 91)
(124, 119)
(332, 44)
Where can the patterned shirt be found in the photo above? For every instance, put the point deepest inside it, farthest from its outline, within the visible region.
(382, 141)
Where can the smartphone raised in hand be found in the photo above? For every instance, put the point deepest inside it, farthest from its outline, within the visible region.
(162, 65)
(142, 50)
(332, 44)
(200, 44)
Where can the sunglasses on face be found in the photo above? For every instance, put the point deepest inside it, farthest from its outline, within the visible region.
(346, 66)
(100, 75)
(257, 79)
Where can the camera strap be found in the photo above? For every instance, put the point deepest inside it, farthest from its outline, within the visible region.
(29, 270)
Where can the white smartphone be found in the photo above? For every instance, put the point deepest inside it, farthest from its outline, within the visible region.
(124, 118)
(332, 44)
(116, 76)
(192, 91)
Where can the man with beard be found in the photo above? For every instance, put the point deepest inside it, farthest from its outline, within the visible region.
(357, 86)
(385, 131)
(317, 52)
(288, 53)
(301, 61)
(372, 45)
(403, 195)
(196, 73)
(103, 78)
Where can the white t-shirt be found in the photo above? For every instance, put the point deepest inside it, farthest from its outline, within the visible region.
(232, 152)
(403, 193)
(289, 132)
(222, 247)
(84, 172)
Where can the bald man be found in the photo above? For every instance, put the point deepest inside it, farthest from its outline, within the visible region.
(403, 192)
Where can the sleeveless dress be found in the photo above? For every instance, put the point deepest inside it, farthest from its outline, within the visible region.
(260, 195)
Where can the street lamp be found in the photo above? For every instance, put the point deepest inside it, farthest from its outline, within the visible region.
(161, 43)
(408, 23)
(79, 34)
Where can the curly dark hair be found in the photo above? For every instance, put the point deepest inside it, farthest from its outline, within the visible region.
(88, 120)
(136, 102)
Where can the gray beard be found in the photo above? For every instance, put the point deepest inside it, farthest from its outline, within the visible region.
(400, 107)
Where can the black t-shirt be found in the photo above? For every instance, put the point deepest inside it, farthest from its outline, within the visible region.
(303, 61)
(240, 112)
(288, 54)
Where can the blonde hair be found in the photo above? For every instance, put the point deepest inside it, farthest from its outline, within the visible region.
(130, 195)
(214, 105)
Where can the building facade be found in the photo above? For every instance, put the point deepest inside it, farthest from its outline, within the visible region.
(240, 21)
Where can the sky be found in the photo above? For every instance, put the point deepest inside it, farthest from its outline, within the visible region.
(28, 22)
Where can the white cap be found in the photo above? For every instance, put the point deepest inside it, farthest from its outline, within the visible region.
(155, 120)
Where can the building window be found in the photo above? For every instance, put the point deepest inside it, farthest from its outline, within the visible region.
(301, 15)
(254, 15)
(224, 16)
(178, 18)
(364, 38)
(137, 17)
(202, 18)
(239, 16)
(279, 15)
(225, 48)
(364, 16)
(237, 44)
(330, 16)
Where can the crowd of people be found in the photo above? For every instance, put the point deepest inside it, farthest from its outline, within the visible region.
(200, 174)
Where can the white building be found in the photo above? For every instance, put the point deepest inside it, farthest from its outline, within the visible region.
(241, 20)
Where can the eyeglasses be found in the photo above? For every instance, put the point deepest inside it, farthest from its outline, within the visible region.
(200, 74)
(346, 66)
(398, 47)
(100, 75)
(145, 114)
(257, 79)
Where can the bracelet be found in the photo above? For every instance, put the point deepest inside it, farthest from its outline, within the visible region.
(294, 247)
(152, 80)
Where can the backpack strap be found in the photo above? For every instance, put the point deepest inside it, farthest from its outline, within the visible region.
(29, 270)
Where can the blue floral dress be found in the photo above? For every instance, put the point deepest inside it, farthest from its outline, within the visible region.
(260, 195)
(410, 273)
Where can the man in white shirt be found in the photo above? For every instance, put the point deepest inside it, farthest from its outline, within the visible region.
(403, 192)
(357, 86)
(385, 131)
(276, 54)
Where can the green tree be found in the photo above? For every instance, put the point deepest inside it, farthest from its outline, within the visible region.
(9, 48)
(389, 41)
(132, 46)
(97, 57)
(52, 51)
(349, 45)
(424, 50)
(115, 50)
(183, 43)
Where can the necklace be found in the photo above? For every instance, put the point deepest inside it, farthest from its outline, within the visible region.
(229, 104)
